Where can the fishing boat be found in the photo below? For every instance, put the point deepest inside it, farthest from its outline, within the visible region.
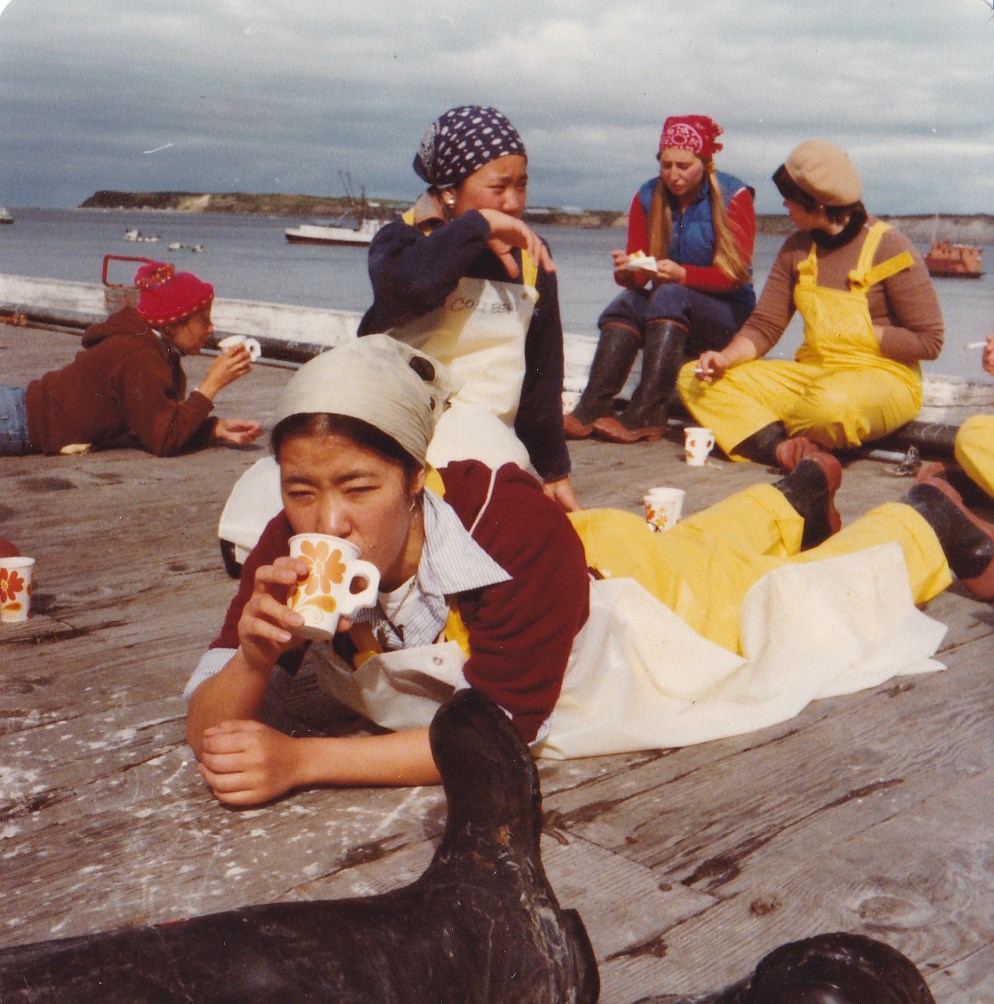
(946, 260)
(954, 261)
(339, 234)
(5, 217)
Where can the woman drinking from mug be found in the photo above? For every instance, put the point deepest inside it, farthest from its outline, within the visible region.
(129, 379)
(698, 225)
(870, 316)
(464, 279)
(592, 633)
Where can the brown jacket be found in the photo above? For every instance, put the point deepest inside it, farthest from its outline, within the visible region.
(126, 380)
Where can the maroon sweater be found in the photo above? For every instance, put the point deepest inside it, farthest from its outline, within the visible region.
(126, 380)
(521, 631)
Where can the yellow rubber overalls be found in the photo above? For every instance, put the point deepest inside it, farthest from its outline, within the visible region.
(479, 334)
(975, 450)
(840, 391)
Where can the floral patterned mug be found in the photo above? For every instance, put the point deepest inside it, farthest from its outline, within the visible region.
(15, 588)
(339, 583)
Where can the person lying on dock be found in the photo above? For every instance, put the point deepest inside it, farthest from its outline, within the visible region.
(696, 226)
(870, 315)
(129, 379)
(466, 281)
(592, 633)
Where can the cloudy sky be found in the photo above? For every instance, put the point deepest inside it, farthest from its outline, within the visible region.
(262, 96)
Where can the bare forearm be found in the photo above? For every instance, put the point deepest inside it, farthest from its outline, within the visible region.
(234, 694)
(397, 758)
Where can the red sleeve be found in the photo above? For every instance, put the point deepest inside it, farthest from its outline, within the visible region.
(742, 222)
(521, 632)
(273, 544)
(638, 240)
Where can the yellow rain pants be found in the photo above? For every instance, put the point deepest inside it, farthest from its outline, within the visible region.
(703, 567)
(839, 391)
(975, 450)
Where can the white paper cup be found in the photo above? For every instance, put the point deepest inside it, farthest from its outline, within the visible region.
(15, 589)
(252, 344)
(663, 507)
(339, 583)
(698, 443)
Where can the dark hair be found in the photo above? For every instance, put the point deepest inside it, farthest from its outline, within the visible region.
(360, 432)
(790, 189)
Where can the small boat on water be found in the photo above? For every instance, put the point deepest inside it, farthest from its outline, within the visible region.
(954, 261)
(137, 237)
(338, 234)
(5, 217)
(177, 246)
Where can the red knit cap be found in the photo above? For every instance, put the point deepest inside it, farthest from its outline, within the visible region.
(166, 296)
(696, 133)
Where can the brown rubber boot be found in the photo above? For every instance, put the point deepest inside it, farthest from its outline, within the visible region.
(617, 349)
(967, 541)
(810, 488)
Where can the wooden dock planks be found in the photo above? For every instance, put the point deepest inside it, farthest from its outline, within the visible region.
(867, 813)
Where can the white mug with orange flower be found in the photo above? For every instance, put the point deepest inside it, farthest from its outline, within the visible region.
(15, 588)
(339, 583)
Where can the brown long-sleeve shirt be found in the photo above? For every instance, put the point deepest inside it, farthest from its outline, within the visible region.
(126, 380)
(904, 306)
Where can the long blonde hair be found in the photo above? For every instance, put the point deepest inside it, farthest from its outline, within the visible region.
(727, 255)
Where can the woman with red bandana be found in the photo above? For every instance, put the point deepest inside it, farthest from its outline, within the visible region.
(129, 379)
(697, 225)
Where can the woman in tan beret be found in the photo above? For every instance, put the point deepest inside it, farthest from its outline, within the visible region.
(870, 316)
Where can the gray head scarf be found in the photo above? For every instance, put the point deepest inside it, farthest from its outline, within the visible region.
(383, 382)
(461, 141)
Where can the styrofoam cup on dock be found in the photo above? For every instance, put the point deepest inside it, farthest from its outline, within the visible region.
(663, 507)
(15, 588)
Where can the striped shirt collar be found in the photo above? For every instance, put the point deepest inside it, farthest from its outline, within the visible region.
(451, 562)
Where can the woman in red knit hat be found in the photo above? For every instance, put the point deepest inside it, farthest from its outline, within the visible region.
(129, 379)
(687, 283)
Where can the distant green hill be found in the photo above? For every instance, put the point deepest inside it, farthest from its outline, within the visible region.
(977, 228)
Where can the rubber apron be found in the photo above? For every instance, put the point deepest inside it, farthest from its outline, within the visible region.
(479, 334)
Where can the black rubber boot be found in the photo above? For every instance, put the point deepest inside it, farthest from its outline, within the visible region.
(662, 357)
(810, 489)
(968, 549)
(761, 446)
(617, 348)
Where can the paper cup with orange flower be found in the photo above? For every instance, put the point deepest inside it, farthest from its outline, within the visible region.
(339, 583)
(15, 588)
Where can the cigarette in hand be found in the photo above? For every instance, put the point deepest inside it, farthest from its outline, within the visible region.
(972, 346)
(703, 371)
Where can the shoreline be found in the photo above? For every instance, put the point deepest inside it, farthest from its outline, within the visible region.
(959, 227)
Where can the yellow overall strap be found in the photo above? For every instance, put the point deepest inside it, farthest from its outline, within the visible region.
(866, 274)
(529, 269)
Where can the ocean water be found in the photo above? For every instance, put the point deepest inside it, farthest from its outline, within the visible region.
(248, 257)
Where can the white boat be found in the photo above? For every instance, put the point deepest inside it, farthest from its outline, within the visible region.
(335, 235)
(177, 246)
(137, 237)
(5, 217)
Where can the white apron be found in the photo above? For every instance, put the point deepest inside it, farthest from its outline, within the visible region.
(479, 334)
(639, 678)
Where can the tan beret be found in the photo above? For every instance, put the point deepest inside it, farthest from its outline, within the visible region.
(825, 172)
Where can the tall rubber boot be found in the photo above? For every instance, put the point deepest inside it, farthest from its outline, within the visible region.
(761, 446)
(966, 540)
(617, 348)
(810, 488)
(647, 412)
